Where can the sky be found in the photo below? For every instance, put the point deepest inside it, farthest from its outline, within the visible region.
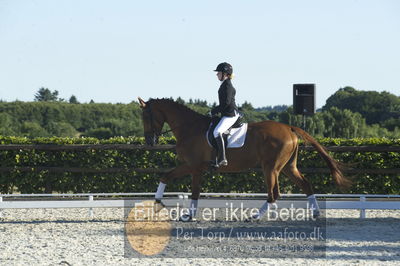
(115, 51)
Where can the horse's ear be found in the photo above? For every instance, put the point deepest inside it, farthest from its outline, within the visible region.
(142, 103)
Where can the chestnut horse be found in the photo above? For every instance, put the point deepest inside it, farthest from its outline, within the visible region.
(269, 144)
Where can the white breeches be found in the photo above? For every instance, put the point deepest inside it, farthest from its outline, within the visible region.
(225, 123)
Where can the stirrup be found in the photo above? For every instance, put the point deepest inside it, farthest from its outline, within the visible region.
(217, 164)
(223, 162)
(214, 163)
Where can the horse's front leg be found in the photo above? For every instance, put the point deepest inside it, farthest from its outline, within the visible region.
(179, 171)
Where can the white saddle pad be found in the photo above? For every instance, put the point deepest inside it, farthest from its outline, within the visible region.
(236, 137)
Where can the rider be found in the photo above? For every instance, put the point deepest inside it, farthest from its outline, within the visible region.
(227, 107)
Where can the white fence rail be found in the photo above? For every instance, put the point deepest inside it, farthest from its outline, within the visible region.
(360, 202)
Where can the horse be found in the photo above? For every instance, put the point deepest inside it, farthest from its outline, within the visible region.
(272, 145)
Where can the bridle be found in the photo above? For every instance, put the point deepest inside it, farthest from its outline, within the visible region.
(153, 133)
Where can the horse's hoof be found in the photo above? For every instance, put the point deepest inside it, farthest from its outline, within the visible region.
(158, 206)
(252, 219)
(316, 214)
(186, 218)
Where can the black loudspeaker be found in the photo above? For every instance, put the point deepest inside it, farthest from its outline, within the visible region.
(304, 99)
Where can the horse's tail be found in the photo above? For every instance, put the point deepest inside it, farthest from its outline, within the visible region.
(334, 165)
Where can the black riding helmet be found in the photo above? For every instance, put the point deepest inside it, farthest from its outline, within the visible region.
(224, 68)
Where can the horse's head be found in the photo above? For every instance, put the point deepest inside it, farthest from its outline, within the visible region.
(153, 121)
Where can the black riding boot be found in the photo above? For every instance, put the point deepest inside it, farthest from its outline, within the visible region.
(221, 158)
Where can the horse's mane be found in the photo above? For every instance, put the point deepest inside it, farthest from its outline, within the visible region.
(179, 106)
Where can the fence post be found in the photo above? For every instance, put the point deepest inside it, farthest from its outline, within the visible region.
(91, 209)
(180, 196)
(186, 201)
(183, 200)
(362, 210)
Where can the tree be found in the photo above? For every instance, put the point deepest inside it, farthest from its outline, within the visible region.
(247, 106)
(55, 118)
(275, 108)
(33, 130)
(200, 103)
(61, 129)
(73, 99)
(6, 125)
(375, 106)
(45, 95)
(100, 133)
(180, 100)
(343, 123)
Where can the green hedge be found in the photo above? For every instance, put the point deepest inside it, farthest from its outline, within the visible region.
(40, 182)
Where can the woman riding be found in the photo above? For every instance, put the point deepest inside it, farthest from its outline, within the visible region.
(227, 107)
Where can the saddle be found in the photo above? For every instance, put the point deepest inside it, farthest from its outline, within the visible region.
(214, 122)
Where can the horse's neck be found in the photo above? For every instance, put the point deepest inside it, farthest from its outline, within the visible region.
(181, 121)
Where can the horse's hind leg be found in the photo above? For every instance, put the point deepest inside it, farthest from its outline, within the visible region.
(271, 174)
(298, 179)
(293, 173)
(276, 192)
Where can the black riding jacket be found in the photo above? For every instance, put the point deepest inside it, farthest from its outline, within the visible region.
(226, 95)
